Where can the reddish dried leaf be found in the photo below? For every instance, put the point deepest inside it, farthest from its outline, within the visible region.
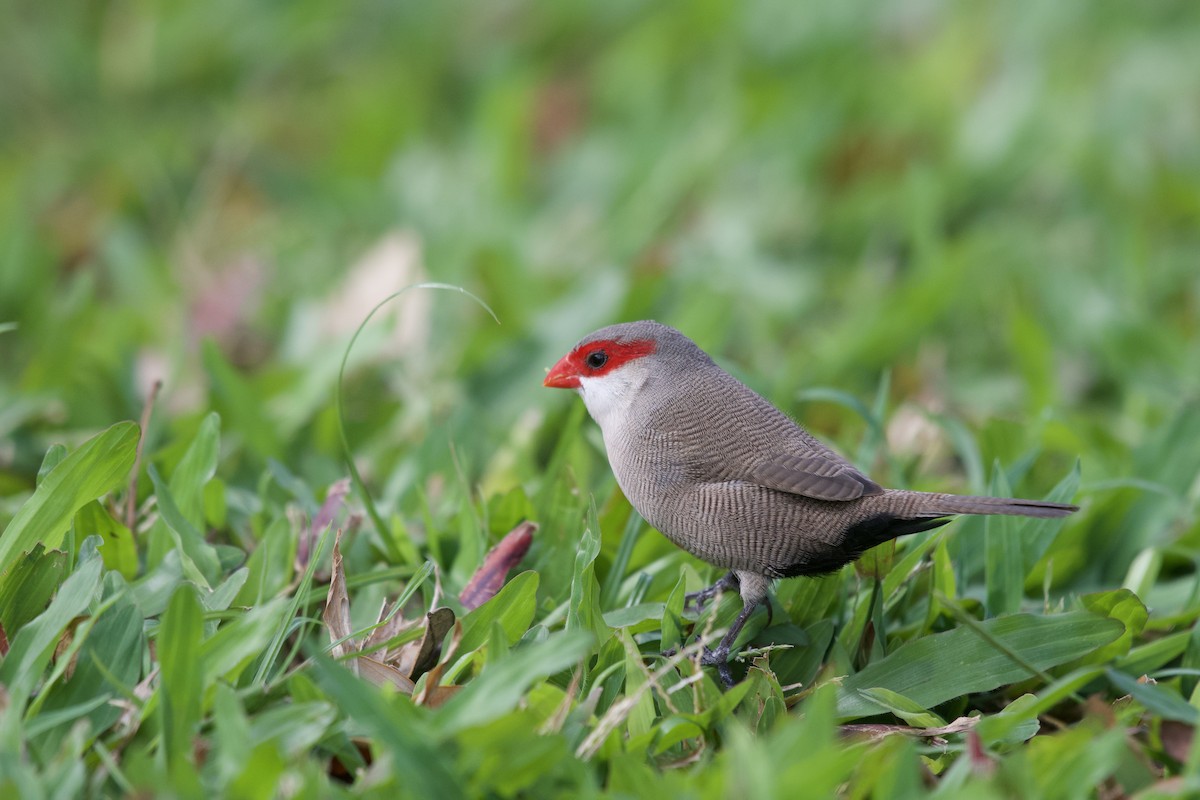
(333, 501)
(490, 576)
(981, 762)
(1177, 739)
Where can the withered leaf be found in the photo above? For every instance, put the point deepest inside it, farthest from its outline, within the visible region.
(416, 658)
(382, 674)
(337, 605)
(499, 561)
(431, 688)
(333, 501)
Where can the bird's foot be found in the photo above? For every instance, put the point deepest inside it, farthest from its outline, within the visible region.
(718, 658)
(697, 600)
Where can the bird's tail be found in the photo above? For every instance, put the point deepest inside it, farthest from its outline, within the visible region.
(938, 504)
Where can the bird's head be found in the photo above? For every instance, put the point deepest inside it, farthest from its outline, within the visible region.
(610, 366)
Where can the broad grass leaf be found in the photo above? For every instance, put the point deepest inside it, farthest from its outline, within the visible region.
(584, 612)
(810, 600)
(499, 686)
(672, 616)
(1004, 563)
(642, 617)
(1155, 654)
(1169, 457)
(913, 713)
(1014, 721)
(153, 591)
(28, 586)
(618, 506)
(1018, 722)
(940, 667)
(1038, 535)
(1075, 762)
(641, 716)
(55, 453)
(397, 725)
(510, 758)
(239, 641)
(1124, 606)
(513, 606)
(803, 661)
(97, 467)
(222, 596)
(271, 564)
(179, 646)
(108, 664)
(30, 649)
(241, 404)
(197, 554)
(1157, 699)
(904, 567)
(118, 550)
(295, 728)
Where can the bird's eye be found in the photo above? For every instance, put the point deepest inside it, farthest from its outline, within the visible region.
(596, 359)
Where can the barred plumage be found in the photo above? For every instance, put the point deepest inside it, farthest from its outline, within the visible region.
(730, 478)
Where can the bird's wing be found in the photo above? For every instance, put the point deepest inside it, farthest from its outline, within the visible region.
(823, 477)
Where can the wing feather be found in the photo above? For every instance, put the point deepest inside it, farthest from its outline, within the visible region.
(814, 475)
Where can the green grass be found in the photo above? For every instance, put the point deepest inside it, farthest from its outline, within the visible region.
(960, 243)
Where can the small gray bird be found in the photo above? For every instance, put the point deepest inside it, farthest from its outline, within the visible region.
(728, 477)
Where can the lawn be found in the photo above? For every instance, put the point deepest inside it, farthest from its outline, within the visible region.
(265, 523)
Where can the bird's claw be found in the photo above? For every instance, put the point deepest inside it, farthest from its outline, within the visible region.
(696, 601)
(718, 658)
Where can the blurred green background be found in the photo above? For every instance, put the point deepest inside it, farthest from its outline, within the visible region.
(989, 209)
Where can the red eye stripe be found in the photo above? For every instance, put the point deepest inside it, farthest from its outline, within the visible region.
(617, 354)
(574, 365)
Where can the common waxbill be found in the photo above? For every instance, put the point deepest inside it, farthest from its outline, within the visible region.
(728, 477)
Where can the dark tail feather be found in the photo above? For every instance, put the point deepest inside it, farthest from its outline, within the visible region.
(965, 504)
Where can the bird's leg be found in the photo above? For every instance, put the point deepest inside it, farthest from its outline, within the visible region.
(697, 599)
(719, 657)
(753, 588)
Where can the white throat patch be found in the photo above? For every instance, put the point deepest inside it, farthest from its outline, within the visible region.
(608, 398)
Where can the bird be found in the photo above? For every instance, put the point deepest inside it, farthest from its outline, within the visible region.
(731, 479)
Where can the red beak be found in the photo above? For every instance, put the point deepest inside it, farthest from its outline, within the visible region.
(562, 375)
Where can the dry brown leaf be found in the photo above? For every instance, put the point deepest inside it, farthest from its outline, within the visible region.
(337, 605)
(879, 731)
(382, 674)
(426, 697)
(437, 695)
(499, 561)
(416, 658)
(1177, 739)
(387, 630)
